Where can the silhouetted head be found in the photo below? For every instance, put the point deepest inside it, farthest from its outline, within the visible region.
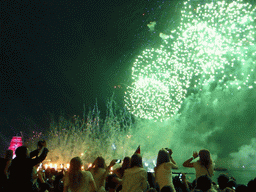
(242, 188)
(251, 185)
(40, 143)
(223, 181)
(151, 190)
(231, 184)
(166, 189)
(75, 175)
(205, 158)
(163, 157)
(126, 163)
(99, 162)
(75, 164)
(136, 160)
(22, 152)
(204, 183)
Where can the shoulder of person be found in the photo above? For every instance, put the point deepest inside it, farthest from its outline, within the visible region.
(45, 149)
(134, 170)
(117, 170)
(92, 170)
(137, 168)
(127, 170)
(87, 173)
(168, 165)
(141, 169)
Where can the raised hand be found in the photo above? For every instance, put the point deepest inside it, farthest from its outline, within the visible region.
(195, 154)
(112, 163)
(183, 177)
(170, 151)
(44, 144)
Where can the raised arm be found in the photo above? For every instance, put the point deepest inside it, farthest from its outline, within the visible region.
(108, 169)
(111, 164)
(34, 153)
(40, 158)
(174, 165)
(188, 163)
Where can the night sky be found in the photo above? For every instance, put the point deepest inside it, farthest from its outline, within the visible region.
(59, 56)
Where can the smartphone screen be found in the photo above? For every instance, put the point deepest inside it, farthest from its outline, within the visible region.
(118, 161)
(180, 177)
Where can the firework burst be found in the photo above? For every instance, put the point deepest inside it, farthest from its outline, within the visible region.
(213, 43)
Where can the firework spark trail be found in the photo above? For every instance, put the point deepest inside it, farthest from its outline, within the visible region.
(214, 40)
(213, 43)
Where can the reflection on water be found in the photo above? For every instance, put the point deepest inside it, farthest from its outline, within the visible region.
(242, 176)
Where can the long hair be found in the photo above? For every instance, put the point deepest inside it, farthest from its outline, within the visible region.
(163, 157)
(136, 160)
(125, 165)
(99, 163)
(205, 158)
(75, 173)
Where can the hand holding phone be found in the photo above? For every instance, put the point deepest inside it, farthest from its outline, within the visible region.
(169, 151)
(112, 163)
(44, 144)
(180, 177)
(195, 154)
(118, 161)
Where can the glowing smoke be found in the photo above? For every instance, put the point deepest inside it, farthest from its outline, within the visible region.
(214, 43)
(181, 81)
(211, 56)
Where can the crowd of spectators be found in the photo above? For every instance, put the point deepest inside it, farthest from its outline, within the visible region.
(23, 174)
